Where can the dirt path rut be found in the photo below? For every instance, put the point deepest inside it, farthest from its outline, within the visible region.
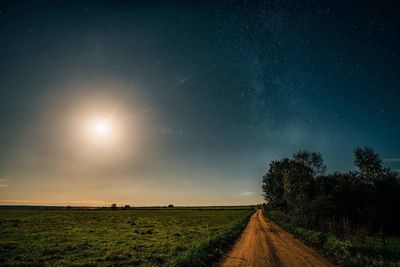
(264, 243)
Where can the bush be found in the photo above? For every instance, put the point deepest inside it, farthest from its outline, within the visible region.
(342, 252)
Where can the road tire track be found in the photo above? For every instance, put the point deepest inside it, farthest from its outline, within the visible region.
(264, 243)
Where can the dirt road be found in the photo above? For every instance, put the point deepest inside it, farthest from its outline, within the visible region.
(264, 243)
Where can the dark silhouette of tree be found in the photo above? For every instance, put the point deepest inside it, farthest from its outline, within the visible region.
(368, 162)
(312, 160)
(114, 206)
(273, 183)
(288, 185)
(364, 199)
(170, 206)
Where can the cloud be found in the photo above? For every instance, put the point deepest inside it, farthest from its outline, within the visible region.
(3, 183)
(247, 194)
(187, 78)
(392, 160)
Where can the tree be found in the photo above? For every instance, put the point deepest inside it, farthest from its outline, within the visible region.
(339, 202)
(114, 206)
(312, 160)
(288, 185)
(368, 162)
(298, 184)
(170, 206)
(273, 183)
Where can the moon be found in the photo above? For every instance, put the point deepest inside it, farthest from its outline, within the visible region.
(101, 129)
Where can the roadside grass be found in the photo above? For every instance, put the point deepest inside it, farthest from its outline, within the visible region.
(344, 252)
(209, 251)
(112, 238)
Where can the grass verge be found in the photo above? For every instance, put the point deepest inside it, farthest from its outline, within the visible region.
(208, 252)
(340, 251)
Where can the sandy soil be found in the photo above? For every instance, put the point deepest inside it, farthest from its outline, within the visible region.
(264, 243)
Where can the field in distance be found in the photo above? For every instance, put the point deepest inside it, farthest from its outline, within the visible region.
(141, 237)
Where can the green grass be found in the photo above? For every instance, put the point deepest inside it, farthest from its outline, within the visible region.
(208, 251)
(106, 237)
(344, 252)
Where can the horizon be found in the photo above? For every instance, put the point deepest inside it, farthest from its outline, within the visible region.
(123, 206)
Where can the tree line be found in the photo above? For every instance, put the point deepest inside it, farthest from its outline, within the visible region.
(367, 199)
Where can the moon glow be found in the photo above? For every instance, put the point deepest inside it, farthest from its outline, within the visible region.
(101, 128)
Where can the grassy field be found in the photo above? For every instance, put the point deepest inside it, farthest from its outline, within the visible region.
(113, 237)
(345, 252)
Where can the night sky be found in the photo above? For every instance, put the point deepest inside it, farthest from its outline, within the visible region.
(200, 96)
